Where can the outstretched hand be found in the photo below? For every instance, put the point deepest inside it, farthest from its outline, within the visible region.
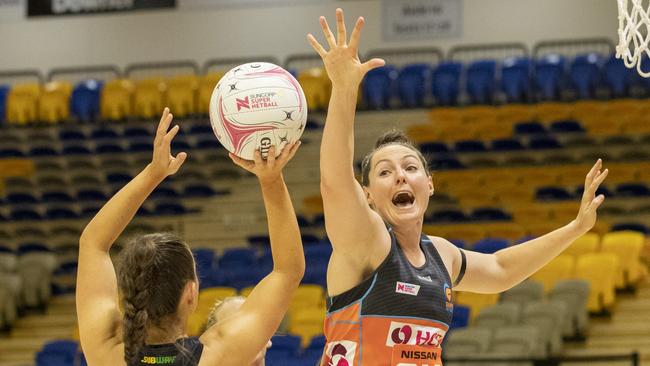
(590, 202)
(271, 168)
(163, 163)
(342, 60)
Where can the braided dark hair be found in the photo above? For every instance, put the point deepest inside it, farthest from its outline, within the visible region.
(391, 137)
(153, 272)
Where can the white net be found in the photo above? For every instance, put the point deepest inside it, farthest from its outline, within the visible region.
(633, 26)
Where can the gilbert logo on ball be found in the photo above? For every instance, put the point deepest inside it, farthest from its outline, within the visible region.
(257, 105)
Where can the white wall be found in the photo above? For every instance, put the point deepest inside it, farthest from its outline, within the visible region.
(278, 31)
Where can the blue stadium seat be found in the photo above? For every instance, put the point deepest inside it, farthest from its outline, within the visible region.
(58, 212)
(32, 247)
(84, 102)
(76, 149)
(318, 220)
(314, 351)
(318, 253)
(543, 142)
(104, 132)
(237, 258)
(135, 131)
(141, 146)
(284, 346)
(632, 190)
(259, 240)
(303, 222)
(470, 146)
(11, 152)
(490, 245)
(91, 194)
(204, 258)
(460, 319)
(489, 214)
(378, 87)
(56, 196)
(165, 192)
(411, 85)
(24, 213)
(507, 145)
(309, 239)
(208, 143)
(553, 194)
(199, 129)
(211, 278)
(585, 75)
(19, 198)
(72, 135)
(515, 79)
(445, 163)
(118, 178)
(446, 83)
(170, 208)
(178, 144)
(43, 151)
(601, 190)
(243, 277)
(57, 353)
(549, 77)
(633, 226)
(529, 128)
(458, 243)
(4, 92)
(428, 148)
(567, 126)
(618, 77)
(89, 210)
(481, 81)
(109, 148)
(448, 216)
(316, 274)
(201, 190)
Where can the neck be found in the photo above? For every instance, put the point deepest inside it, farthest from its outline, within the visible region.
(157, 335)
(408, 236)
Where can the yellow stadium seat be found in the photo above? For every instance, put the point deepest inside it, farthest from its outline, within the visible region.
(506, 230)
(627, 246)
(473, 197)
(182, 95)
(22, 103)
(588, 243)
(209, 296)
(149, 98)
(605, 126)
(454, 133)
(488, 131)
(574, 175)
(514, 113)
(514, 196)
(420, 133)
(600, 270)
(246, 291)
(530, 213)
(636, 126)
(313, 204)
(500, 177)
(468, 233)
(308, 297)
(558, 269)
(206, 87)
(539, 228)
(450, 179)
(624, 107)
(475, 302)
(116, 101)
(538, 178)
(196, 323)
(552, 111)
(307, 323)
(444, 116)
(564, 211)
(54, 104)
(621, 173)
(316, 86)
(585, 108)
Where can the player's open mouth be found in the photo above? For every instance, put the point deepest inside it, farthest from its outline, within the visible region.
(403, 199)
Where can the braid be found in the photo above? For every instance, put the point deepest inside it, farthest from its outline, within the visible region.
(136, 282)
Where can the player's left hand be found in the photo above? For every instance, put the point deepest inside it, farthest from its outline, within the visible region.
(163, 163)
(590, 202)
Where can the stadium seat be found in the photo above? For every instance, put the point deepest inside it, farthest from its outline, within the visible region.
(448, 216)
(149, 97)
(515, 79)
(490, 245)
(60, 212)
(84, 103)
(632, 190)
(467, 342)
(567, 126)
(461, 317)
(507, 144)
(109, 148)
(411, 85)
(195, 190)
(170, 208)
(600, 270)
(104, 132)
(237, 258)
(627, 246)
(284, 347)
(585, 75)
(549, 318)
(22, 103)
(543, 143)
(553, 194)
(379, 87)
(630, 226)
(588, 243)
(489, 214)
(54, 103)
(316, 86)
(481, 81)
(498, 315)
(4, 92)
(446, 83)
(525, 292)
(558, 269)
(56, 196)
(57, 353)
(206, 86)
(470, 146)
(574, 293)
(517, 341)
(618, 77)
(548, 77)
(182, 95)
(116, 100)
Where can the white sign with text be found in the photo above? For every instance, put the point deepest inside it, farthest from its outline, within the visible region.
(405, 20)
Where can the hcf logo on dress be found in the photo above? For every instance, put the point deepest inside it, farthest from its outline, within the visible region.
(413, 334)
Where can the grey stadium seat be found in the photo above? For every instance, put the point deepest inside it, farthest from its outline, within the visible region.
(498, 315)
(549, 318)
(574, 293)
(525, 292)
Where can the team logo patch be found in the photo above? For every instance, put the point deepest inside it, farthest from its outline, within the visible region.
(413, 334)
(407, 288)
(448, 298)
(340, 353)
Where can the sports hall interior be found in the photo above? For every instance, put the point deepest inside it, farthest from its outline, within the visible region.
(510, 113)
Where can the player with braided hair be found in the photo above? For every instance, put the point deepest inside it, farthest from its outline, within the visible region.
(157, 281)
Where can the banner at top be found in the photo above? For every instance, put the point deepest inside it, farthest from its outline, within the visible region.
(81, 7)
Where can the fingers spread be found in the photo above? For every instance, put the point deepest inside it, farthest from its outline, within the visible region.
(172, 133)
(356, 34)
(165, 121)
(372, 64)
(178, 161)
(316, 46)
(329, 37)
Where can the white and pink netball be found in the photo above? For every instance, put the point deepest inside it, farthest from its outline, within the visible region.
(257, 105)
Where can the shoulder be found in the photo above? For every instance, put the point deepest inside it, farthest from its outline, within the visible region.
(447, 250)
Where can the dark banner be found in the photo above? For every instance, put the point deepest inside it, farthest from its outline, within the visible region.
(81, 7)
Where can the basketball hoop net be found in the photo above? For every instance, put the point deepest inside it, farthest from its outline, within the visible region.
(633, 33)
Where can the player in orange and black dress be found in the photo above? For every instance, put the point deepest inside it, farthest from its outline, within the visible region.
(389, 284)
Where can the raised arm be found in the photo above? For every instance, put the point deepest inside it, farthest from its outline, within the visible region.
(345, 204)
(241, 336)
(492, 273)
(97, 296)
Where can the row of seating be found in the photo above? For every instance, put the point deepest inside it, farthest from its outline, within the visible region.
(511, 80)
